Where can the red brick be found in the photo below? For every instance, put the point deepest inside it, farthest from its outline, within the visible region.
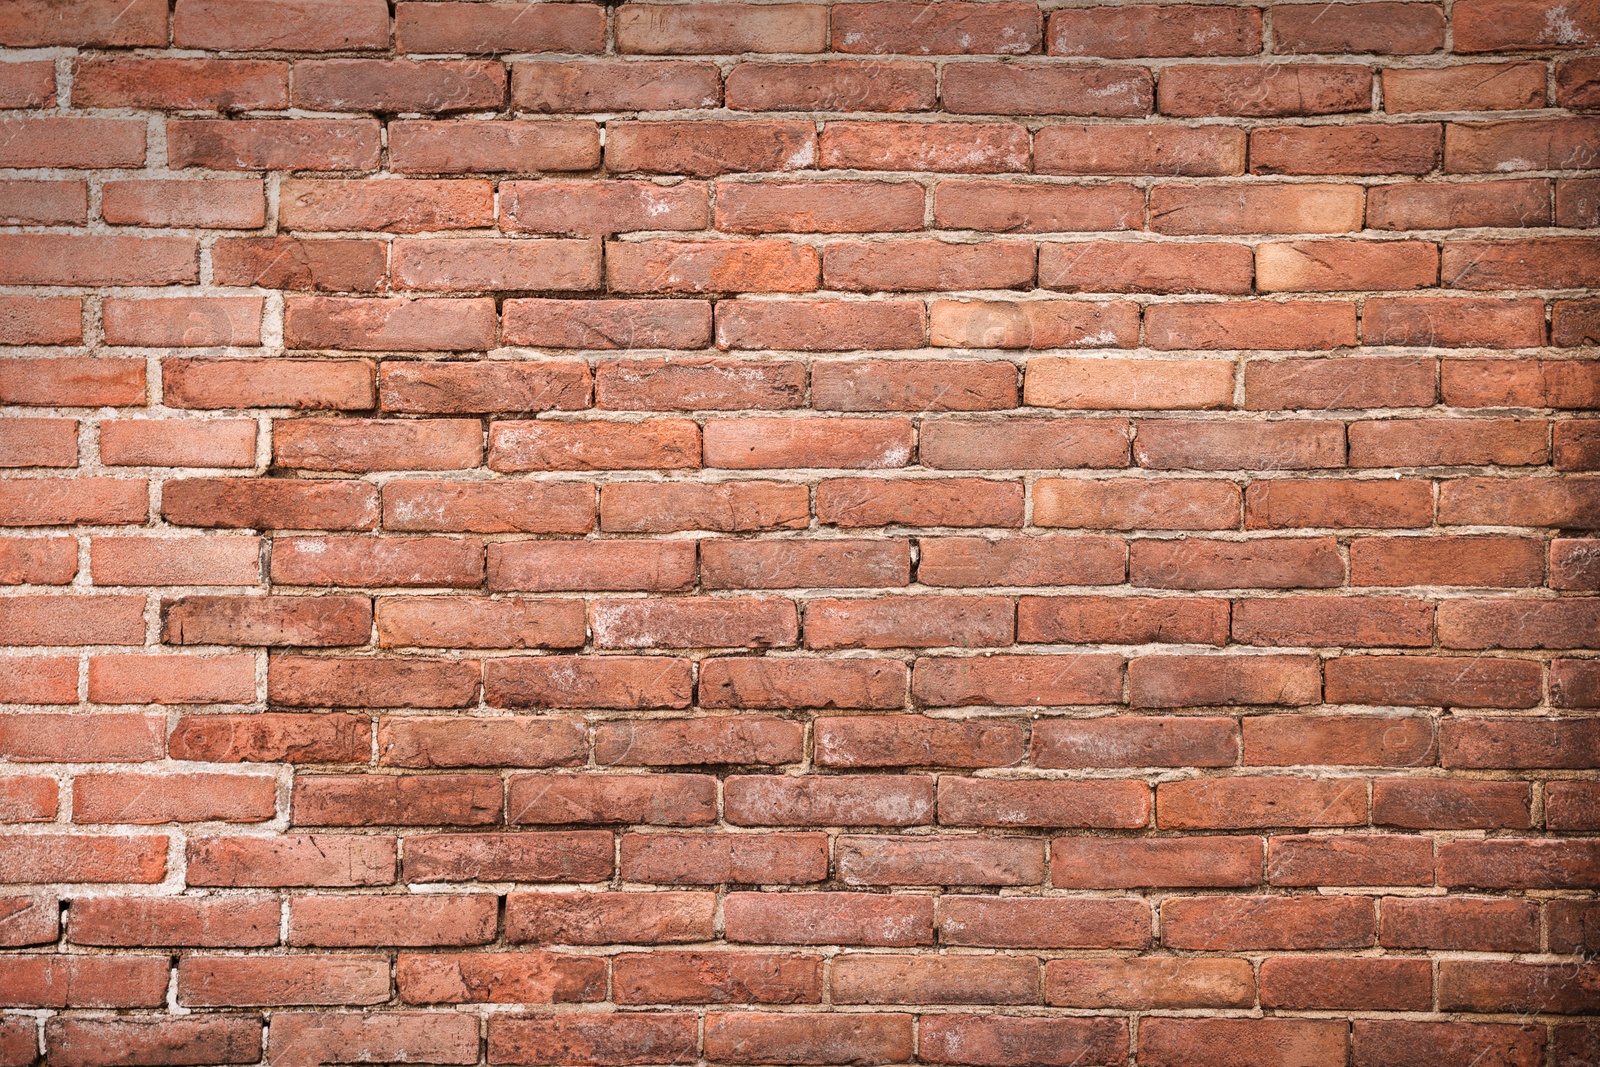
(457, 388)
(47, 737)
(498, 977)
(723, 507)
(1542, 502)
(1492, 562)
(820, 325)
(171, 443)
(592, 1039)
(31, 798)
(915, 741)
(829, 564)
(699, 622)
(963, 861)
(874, 978)
(42, 320)
(389, 324)
(712, 859)
(94, 22)
(44, 858)
(1155, 30)
(1170, 151)
(65, 502)
(1355, 859)
(1489, 147)
(1017, 922)
(1574, 684)
(1154, 982)
(909, 622)
(596, 918)
(396, 206)
(1255, 208)
(1268, 922)
(359, 681)
(377, 561)
(831, 86)
(1511, 987)
(291, 860)
(1571, 923)
(591, 682)
(396, 800)
(914, 385)
(959, 148)
(153, 798)
(1033, 324)
(809, 1038)
(405, 920)
(183, 322)
(262, 144)
(577, 856)
(225, 981)
(589, 208)
(40, 560)
(302, 25)
(1285, 503)
(70, 141)
(835, 800)
(388, 85)
(1221, 1042)
(960, 444)
(269, 620)
(271, 738)
(210, 560)
(1573, 564)
(232, 205)
(1435, 804)
(468, 622)
(61, 981)
(44, 203)
(1393, 1043)
(1335, 265)
(853, 502)
(96, 259)
(802, 683)
(1048, 804)
(1446, 205)
(1499, 25)
(1015, 681)
(716, 978)
(473, 145)
(1183, 444)
(608, 324)
(1576, 83)
(491, 264)
(489, 507)
(1249, 802)
(1301, 983)
(307, 1037)
(1516, 743)
(1558, 383)
(1541, 262)
(72, 382)
(139, 679)
(1342, 383)
(1123, 620)
(38, 442)
(1136, 503)
(1145, 267)
(1005, 207)
(1046, 88)
(703, 148)
(29, 920)
(1388, 29)
(1436, 681)
(1472, 924)
(191, 84)
(1473, 87)
(92, 1042)
(829, 919)
(601, 85)
(1251, 325)
(1129, 741)
(1323, 88)
(1353, 149)
(514, 741)
(544, 566)
(1333, 621)
(28, 85)
(955, 29)
(711, 266)
(707, 29)
(544, 445)
(1266, 563)
(478, 29)
(329, 264)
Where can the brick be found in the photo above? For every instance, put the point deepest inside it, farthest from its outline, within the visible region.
(1478, 86)
(1049, 804)
(291, 860)
(908, 385)
(602, 85)
(421, 146)
(489, 507)
(63, 981)
(358, 681)
(1287, 503)
(1046, 88)
(859, 800)
(821, 325)
(589, 208)
(405, 921)
(829, 918)
(1155, 30)
(306, 1037)
(543, 566)
(1149, 983)
(702, 149)
(1127, 741)
(596, 918)
(909, 622)
(1515, 743)
(1573, 683)
(543, 445)
(872, 978)
(98, 22)
(139, 679)
(1436, 681)
(1575, 83)
(915, 741)
(1348, 382)
(1571, 924)
(389, 324)
(959, 29)
(1284, 563)
(192, 84)
(722, 507)
(961, 444)
(1248, 802)
(1177, 444)
(1552, 144)
(30, 920)
(1389, 1044)
(1252, 923)
(1460, 923)
(328, 264)
(631, 1038)
(1496, 26)
(1454, 323)
(96, 858)
(837, 443)
(713, 859)
(490, 264)
(39, 560)
(498, 977)
(173, 443)
(1006, 207)
(1136, 503)
(958, 148)
(1032, 324)
(1388, 29)
(147, 798)
(39, 443)
(74, 382)
(608, 324)
(1446, 205)
(377, 561)
(1333, 621)
(42, 321)
(96, 259)
(1534, 624)
(1491, 562)
(572, 856)
(757, 1037)
(1366, 859)
(1170, 151)
(1520, 383)
(183, 322)
(700, 622)
(1122, 620)
(396, 206)
(47, 737)
(1353, 149)
(1323, 88)
(431, 388)
(802, 683)
(1451, 805)
(271, 738)
(1504, 986)
(1251, 325)
(468, 622)
(1015, 922)
(519, 741)
(71, 142)
(63, 502)
(29, 799)
(478, 29)
(572, 681)
(830, 86)
(997, 861)
(28, 85)
(833, 564)
(226, 981)
(389, 85)
(1545, 262)
(396, 800)
(1017, 681)
(302, 25)
(90, 1042)
(711, 266)
(1145, 267)
(1331, 266)
(1264, 207)
(1320, 982)
(43, 203)
(705, 29)
(270, 620)
(263, 144)
(717, 978)
(1573, 564)
(958, 502)
(1218, 1042)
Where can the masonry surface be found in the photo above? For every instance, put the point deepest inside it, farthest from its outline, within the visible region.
(971, 533)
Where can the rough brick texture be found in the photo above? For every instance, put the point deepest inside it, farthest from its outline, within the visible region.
(978, 532)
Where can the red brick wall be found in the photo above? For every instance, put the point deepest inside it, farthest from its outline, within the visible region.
(959, 533)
